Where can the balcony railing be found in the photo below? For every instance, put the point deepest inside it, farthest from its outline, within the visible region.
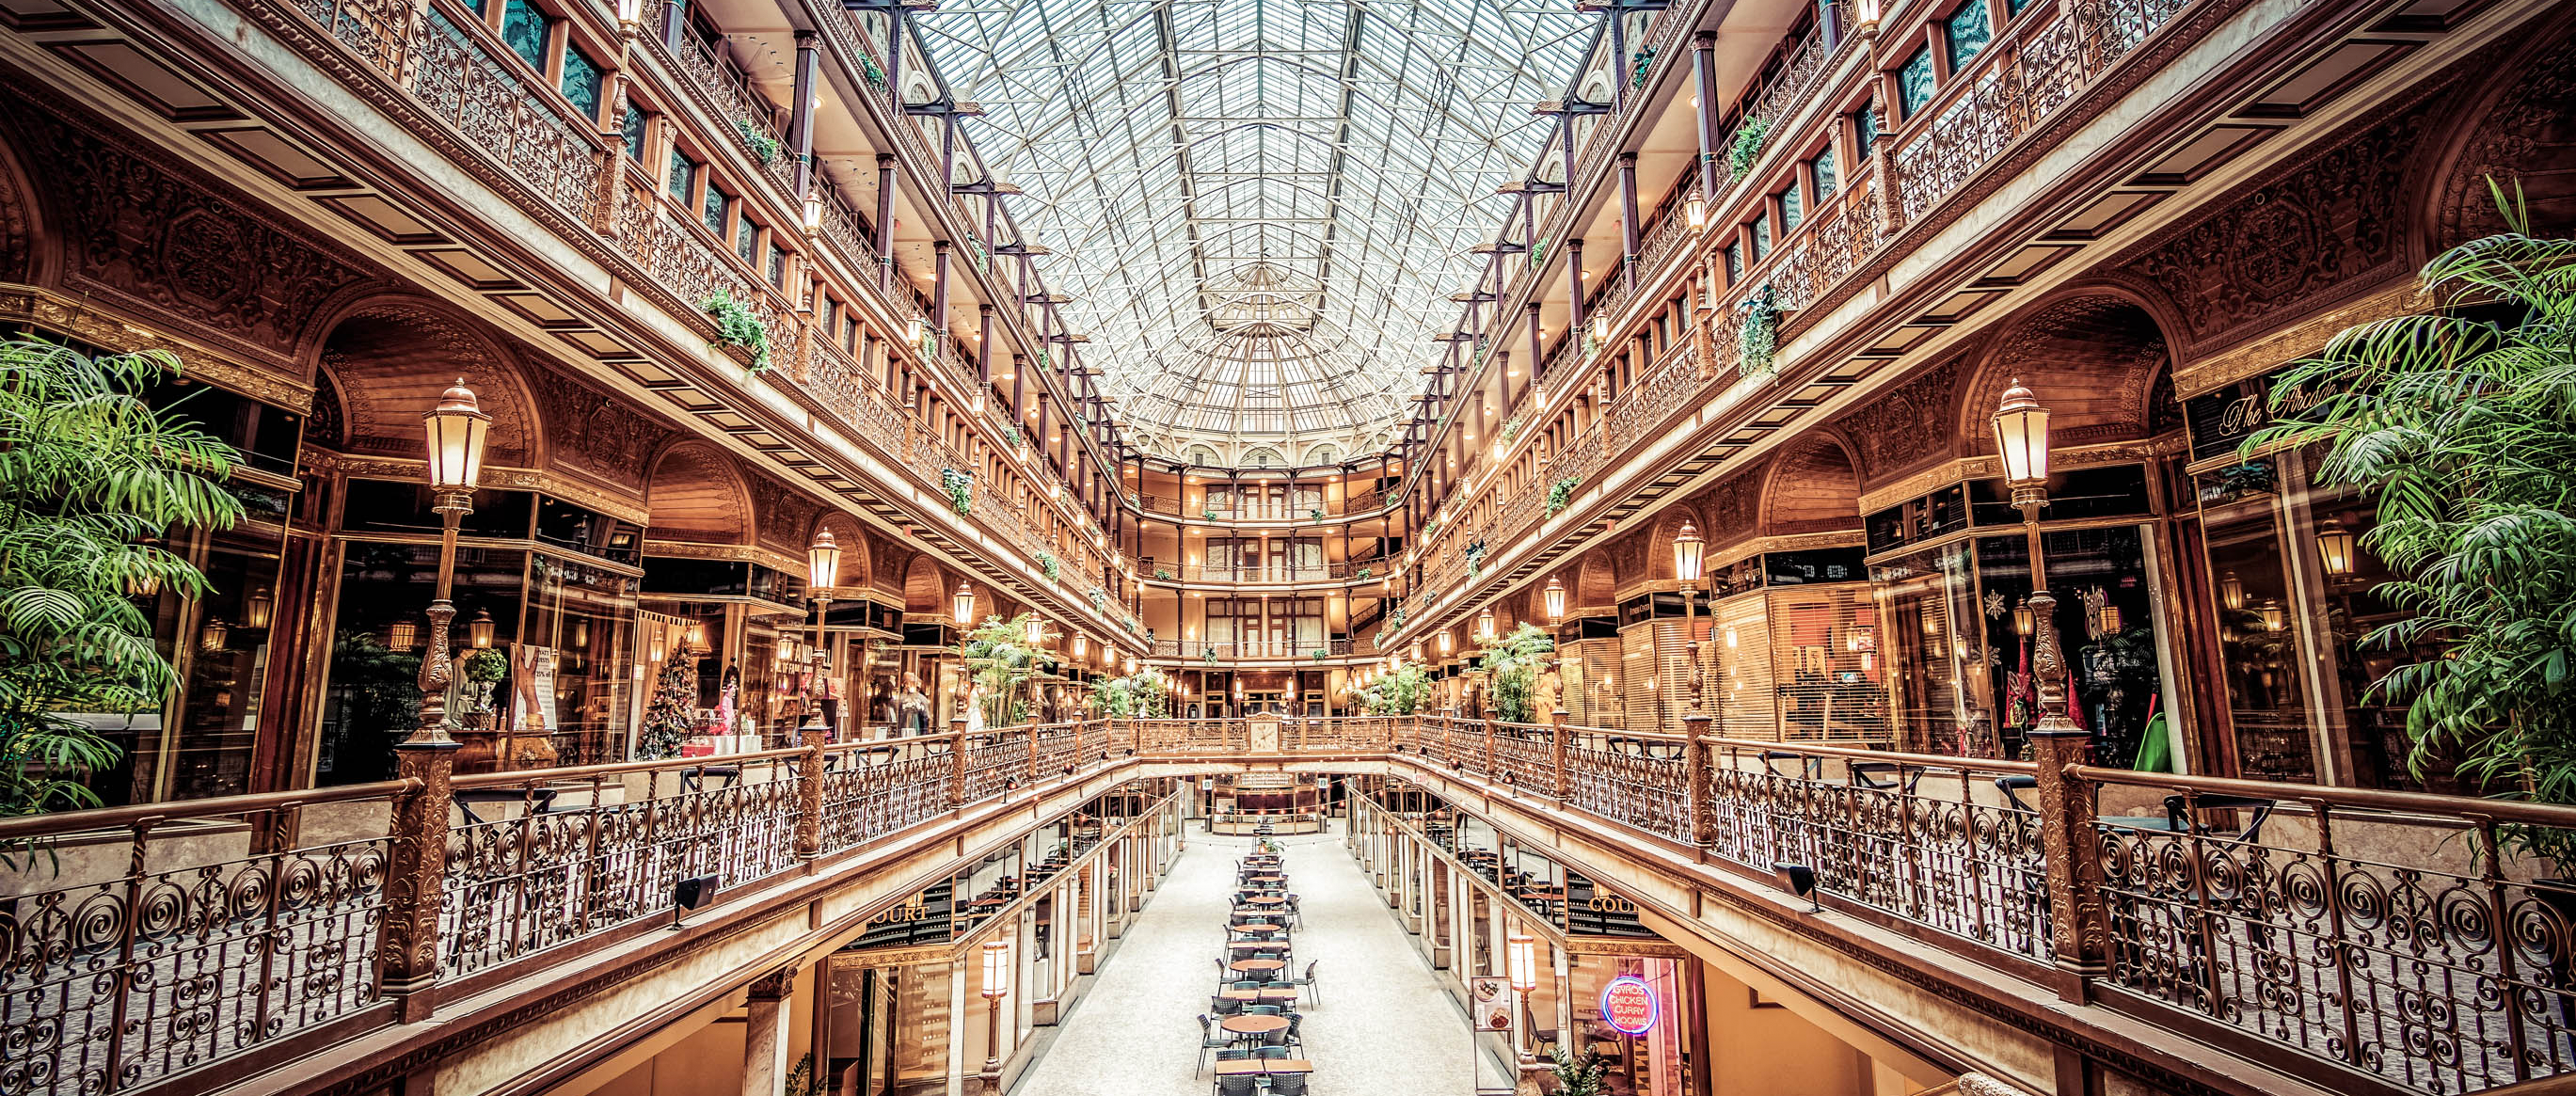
(2380, 936)
(1361, 503)
(1262, 649)
(1263, 573)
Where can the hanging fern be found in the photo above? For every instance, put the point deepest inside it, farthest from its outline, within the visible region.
(1748, 145)
(738, 325)
(1395, 619)
(1475, 558)
(1511, 430)
(1011, 436)
(868, 68)
(1561, 493)
(1047, 565)
(1759, 338)
(1099, 602)
(961, 490)
(764, 147)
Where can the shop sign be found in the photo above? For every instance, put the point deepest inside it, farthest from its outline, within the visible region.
(1492, 999)
(2221, 420)
(1628, 1003)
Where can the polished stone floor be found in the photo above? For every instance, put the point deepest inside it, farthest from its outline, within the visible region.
(1383, 1025)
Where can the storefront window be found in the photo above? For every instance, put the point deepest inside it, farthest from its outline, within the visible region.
(578, 619)
(380, 632)
(2105, 627)
(2292, 585)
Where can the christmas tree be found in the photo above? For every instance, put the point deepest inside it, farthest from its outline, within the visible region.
(666, 718)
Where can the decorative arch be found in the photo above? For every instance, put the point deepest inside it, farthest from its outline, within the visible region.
(2520, 130)
(695, 494)
(1263, 456)
(1596, 581)
(1813, 487)
(21, 221)
(2094, 357)
(925, 586)
(389, 357)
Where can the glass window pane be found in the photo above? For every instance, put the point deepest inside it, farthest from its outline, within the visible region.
(714, 205)
(581, 82)
(1968, 33)
(523, 29)
(633, 131)
(1792, 210)
(746, 241)
(1761, 238)
(1734, 262)
(1824, 168)
(1914, 81)
(1865, 126)
(682, 174)
(777, 265)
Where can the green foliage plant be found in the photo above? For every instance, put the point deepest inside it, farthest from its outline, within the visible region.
(1048, 565)
(1748, 146)
(1561, 493)
(960, 487)
(1002, 660)
(2459, 426)
(90, 477)
(764, 147)
(1515, 659)
(1758, 341)
(737, 325)
(1397, 692)
(1145, 694)
(1579, 1076)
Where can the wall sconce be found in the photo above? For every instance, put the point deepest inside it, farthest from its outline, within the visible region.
(256, 609)
(214, 636)
(2275, 617)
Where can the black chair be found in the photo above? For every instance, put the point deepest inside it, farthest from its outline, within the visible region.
(1237, 1084)
(1211, 1037)
(1246, 983)
(1261, 1010)
(1290, 1037)
(1308, 982)
(1287, 1084)
(1223, 1005)
(1272, 1054)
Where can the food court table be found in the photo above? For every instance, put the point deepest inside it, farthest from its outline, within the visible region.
(1266, 900)
(1254, 1025)
(1264, 1065)
(1257, 966)
(1288, 994)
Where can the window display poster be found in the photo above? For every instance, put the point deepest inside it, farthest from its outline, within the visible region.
(532, 689)
(1491, 998)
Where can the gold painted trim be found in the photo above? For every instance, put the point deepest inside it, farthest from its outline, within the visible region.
(494, 476)
(681, 549)
(1786, 542)
(2299, 340)
(1968, 468)
(100, 325)
(1603, 945)
(895, 957)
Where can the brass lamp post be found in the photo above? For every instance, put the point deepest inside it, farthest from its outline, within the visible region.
(1689, 549)
(822, 569)
(456, 429)
(1521, 950)
(2021, 441)
(1555, 600)
(997, 979)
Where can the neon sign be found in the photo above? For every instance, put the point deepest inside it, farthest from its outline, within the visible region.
(1628, 1005)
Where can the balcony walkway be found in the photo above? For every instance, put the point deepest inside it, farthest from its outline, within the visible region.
(1383, 1024)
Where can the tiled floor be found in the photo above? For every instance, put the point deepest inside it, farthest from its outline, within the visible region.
(1382, 1026)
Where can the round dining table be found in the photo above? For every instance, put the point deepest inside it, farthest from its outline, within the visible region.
(1257, 966)
(1266, 900)
(1254, 1025)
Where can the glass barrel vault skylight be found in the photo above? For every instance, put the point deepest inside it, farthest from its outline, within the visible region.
(1261, 208)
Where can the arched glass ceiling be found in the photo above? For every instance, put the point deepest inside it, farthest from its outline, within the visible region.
(1260, 207)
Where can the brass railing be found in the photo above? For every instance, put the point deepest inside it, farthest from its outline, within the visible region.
(2389, 939)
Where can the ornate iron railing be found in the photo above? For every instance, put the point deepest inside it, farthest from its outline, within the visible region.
(2394, 935)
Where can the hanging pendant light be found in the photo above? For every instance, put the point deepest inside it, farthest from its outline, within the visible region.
(479, 630)
(256, 609)
(2231, 591)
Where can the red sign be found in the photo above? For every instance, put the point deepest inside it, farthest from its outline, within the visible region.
(1628, 1003)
